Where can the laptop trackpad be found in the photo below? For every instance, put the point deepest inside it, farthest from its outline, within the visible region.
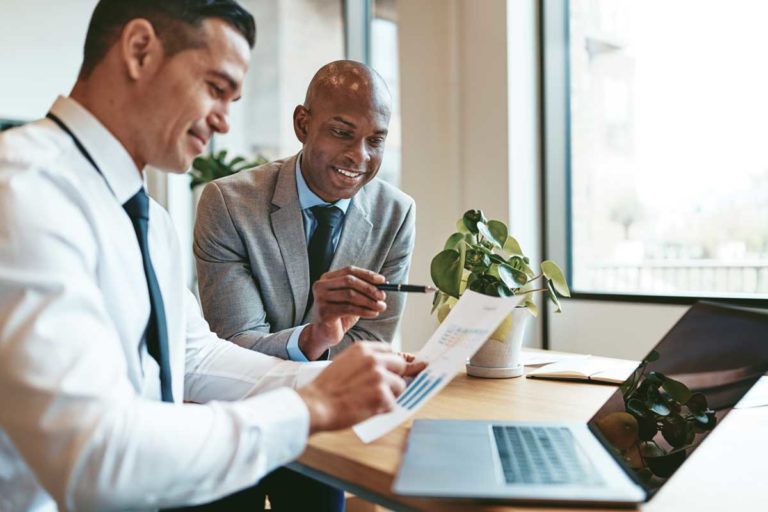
(443, 460)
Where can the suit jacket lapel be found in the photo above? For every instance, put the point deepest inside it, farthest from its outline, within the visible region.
(354, 235)
(288, 226)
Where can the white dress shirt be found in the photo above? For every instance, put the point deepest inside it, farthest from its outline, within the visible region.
(81, 421)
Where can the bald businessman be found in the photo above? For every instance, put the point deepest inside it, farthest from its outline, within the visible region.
(264, 237)
(101, 345)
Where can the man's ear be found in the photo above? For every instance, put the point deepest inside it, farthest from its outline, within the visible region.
(140, 47)
(301, 122)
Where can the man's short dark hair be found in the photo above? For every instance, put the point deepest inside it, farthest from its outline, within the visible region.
(176, 22)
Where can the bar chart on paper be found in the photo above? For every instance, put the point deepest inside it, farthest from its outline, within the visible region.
(419, 389)
(468, 325)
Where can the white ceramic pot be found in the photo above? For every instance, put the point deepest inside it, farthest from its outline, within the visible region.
(499, 357)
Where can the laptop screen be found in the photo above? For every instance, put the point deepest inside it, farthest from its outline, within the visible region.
(683, 389)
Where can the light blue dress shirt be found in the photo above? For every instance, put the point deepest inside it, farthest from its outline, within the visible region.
(308, 200)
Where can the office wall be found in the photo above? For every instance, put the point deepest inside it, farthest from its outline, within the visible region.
(466, 144)
(41, 45)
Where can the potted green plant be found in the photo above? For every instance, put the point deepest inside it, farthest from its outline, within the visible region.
(482, 256)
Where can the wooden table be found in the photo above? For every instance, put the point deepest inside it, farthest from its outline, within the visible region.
(728, 472)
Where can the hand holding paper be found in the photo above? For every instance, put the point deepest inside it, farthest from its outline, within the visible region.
(465, 329)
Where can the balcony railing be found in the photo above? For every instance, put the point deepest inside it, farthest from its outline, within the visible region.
(677, 277)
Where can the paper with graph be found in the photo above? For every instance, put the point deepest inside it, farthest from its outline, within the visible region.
(465, 329)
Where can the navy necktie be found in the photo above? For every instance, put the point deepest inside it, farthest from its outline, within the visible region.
(320, 250)
(156, 334)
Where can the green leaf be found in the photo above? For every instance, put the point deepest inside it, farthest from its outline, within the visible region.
(443, 311)
(651, 449)
(660, 408)
(553, 273)
(553, 297)
(502, 290)
(461, 227)
(495, 258)
(505, 273)
(697, 403)
(485, 231)
(512, 247)
(471, 218)
(439, 299)
(447, 269)
(527, 270)
(636, 407)
(677, 390)
(498, 231)
(532, 308)
(520, 276)
(453, 240)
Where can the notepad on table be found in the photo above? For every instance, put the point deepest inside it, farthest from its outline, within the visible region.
(587, 368)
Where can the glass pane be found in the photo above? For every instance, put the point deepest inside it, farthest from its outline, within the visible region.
(669, 165)
(384, 60)
(294, 39)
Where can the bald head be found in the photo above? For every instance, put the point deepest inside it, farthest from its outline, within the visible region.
(342, 125)
(347, 78)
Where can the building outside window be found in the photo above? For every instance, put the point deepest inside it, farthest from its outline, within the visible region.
(667, 165)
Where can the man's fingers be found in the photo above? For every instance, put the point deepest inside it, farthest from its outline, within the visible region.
(331, 312)
(392, 362)
(414, 368)
(347, 282)
(352, 297)
(395, 383)
(361, 273)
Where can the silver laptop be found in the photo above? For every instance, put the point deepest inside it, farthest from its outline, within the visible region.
(678, 394)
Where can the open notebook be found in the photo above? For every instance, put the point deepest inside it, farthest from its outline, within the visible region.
(587, 368)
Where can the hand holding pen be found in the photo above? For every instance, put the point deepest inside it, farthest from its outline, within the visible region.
(406, 288)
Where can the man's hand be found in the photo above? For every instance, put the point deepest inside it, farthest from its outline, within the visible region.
(363, 381)
(341, 297)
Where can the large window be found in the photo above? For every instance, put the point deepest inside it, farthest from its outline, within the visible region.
(384, 59)
(664, 158)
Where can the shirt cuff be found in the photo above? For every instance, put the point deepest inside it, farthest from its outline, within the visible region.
(279, 427)
(294, 352)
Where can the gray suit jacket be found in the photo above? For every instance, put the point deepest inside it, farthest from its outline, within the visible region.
(252, 263)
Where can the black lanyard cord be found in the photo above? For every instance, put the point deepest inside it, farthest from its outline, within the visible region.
(80, 147)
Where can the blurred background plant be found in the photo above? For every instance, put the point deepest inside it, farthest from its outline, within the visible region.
(215, 165)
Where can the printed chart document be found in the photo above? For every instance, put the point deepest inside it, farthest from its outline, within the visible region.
(465, 329)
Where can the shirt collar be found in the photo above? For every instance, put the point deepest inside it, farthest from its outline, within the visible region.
(308, 199)
(109, 154)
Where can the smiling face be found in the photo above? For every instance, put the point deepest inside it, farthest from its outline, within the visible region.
(189, 96)
(343, 127)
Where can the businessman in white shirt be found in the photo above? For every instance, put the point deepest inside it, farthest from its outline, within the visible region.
(100, 342)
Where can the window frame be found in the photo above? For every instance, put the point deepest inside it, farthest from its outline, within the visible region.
(557, 211)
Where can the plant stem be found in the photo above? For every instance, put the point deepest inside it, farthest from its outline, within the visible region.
(533, 291)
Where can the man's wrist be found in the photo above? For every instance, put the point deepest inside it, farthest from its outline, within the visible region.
(309, 344)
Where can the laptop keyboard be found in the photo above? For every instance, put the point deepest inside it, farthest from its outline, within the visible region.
(541, 455)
